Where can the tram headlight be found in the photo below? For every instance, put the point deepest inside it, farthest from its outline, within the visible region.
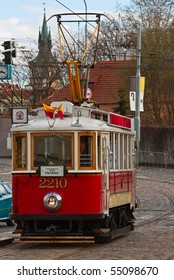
(52, 201)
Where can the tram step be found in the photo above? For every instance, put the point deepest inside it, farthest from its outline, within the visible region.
(54, 239)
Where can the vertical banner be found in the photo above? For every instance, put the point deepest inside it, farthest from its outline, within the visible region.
(132, 93)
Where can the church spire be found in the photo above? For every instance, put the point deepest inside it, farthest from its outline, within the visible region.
(44, 33)
(44, 45)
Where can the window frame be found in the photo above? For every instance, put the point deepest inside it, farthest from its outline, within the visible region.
(99, 150)
(50, 134)
(121, 145)
(24, 135)
(93, 135)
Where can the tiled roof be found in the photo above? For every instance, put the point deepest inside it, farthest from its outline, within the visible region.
(9, 90)
(107, 80)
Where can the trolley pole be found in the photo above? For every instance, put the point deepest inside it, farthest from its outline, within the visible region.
(137, 112)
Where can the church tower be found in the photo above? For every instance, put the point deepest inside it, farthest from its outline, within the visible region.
(44, 45)
(44, 69)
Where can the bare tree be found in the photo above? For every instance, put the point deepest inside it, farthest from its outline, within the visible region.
(156, 18)
(13, 92)
(29, 85)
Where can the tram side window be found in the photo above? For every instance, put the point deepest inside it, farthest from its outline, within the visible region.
(121, 151)
(125, 151)
(20, 151)
(117, 150)
(86, 159)
(99, 151)
(53, 150)
(111, 151)
(130, 152)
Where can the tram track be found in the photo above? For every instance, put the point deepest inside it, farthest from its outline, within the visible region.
(161, 213)
(66, 251)
(16, 248)
(10, 249)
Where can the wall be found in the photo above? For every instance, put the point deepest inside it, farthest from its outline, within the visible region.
(158, 139)
(5, 125)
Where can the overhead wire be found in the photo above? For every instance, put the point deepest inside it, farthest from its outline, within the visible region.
(82, 17)
(77, 43)
(125, 45)
(101, 31)
(78, 14)
(79, 46)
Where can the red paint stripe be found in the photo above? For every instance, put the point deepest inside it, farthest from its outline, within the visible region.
(118, 120)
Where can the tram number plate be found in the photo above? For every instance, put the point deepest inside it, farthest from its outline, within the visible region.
(52, 171)
(51, 183)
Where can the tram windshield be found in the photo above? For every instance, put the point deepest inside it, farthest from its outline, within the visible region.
(56, 149)
(52, 150)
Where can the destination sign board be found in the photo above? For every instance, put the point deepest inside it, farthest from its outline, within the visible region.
(51, 171)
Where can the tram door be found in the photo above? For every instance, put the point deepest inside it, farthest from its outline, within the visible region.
(105, 168)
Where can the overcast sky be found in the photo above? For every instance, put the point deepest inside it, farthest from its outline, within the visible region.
(21, 19)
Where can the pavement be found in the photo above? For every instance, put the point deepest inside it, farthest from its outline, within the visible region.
(5, 169)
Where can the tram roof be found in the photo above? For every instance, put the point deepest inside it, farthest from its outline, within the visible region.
(76, 118)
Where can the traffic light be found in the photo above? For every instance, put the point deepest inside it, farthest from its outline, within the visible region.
(13, 48)
(9, 51)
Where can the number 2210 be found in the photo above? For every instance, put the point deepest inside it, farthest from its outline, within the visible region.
(50, 183)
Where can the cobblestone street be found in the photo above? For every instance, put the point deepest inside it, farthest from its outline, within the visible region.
(153, 241)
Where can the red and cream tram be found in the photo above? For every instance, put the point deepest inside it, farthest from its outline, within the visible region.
(73, 174)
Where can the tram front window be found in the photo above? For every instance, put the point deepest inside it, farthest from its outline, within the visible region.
(53, 150)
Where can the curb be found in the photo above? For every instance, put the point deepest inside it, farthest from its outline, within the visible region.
(7, 241)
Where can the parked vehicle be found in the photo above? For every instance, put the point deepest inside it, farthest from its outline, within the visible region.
(5, 203)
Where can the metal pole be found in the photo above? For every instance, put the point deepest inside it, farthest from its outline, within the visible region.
(86, 43)
(86, 31)
(137, 112)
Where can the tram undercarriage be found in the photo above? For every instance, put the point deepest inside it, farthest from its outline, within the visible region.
(119, 222)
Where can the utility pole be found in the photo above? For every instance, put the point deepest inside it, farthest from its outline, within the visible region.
(86, 61)
(137, 112)
(86, 30)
